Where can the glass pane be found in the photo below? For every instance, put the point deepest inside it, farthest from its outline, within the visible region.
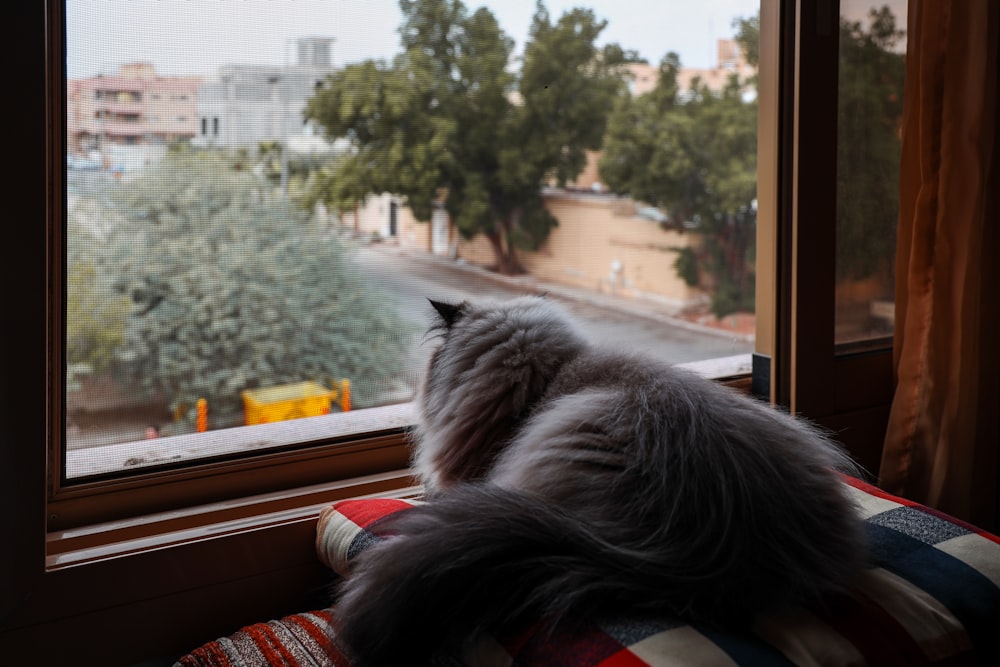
(261, 194)
(872, 53)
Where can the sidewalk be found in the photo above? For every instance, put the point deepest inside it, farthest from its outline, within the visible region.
(738, 325)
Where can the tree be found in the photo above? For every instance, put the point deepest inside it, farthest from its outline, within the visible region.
(448, 123)
(696, 156)
(232, 289)
(95, 314)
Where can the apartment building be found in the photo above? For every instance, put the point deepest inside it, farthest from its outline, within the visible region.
(134, 107)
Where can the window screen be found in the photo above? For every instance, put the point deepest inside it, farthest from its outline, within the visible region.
(262, 195)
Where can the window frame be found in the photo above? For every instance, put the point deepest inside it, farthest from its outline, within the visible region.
(246, 552)
(848, 392)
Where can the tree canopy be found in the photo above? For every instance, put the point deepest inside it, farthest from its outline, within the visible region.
(228, 288)
(449, 123)
(695, 155)
(870, 101)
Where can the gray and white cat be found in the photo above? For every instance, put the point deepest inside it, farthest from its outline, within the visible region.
(566, 480)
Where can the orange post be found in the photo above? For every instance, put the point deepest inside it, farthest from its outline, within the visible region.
(202, 423)
(345, 395)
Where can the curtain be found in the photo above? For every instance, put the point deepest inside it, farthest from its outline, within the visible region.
(941, 444)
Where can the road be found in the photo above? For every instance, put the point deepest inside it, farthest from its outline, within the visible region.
(412, 277)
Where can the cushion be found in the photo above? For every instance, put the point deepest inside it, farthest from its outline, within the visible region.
(932, 598)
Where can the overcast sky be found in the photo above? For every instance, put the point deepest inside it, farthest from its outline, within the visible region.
(196, 36)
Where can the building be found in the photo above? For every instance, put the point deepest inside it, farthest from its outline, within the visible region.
(244, 105)
(106, 115)
(730, 60)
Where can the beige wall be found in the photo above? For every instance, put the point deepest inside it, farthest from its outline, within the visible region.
(594, 232)
(372, 221)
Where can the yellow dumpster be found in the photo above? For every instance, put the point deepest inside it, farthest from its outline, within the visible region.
(292, 401)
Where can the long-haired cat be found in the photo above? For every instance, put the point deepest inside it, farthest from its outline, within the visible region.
(567, 480)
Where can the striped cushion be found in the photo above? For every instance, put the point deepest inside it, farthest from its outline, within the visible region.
(932, 598)
(294, 641)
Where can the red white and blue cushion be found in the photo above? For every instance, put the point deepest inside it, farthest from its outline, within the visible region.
(932, 598)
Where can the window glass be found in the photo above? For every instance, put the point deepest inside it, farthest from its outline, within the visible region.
(872, 52)
(260, 195)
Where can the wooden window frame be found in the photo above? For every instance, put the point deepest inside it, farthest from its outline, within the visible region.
(201, 549)
(848, 392)
(128, 590)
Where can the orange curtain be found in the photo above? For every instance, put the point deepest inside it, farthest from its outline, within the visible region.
(941, 446)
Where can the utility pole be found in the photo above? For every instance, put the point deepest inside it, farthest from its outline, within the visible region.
(284, 124)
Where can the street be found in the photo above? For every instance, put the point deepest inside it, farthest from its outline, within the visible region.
(412, 277)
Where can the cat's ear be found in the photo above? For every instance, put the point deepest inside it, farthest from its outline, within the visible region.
(448, 312)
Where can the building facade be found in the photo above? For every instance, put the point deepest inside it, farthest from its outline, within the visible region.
(135, 107)
(244, 105)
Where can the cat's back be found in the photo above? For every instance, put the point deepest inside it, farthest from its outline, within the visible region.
(635, 383)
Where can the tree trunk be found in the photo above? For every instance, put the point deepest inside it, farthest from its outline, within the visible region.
(504, 253)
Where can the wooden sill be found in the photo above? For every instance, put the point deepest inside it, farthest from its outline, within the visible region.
(154, 531)
(165, 583)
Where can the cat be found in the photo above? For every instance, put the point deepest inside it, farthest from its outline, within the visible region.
(565, 481)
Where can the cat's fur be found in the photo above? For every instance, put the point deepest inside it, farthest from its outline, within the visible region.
(564, 479)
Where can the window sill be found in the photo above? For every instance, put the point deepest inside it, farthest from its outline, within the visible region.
(114, 539)
(138, 455)
(241, 440)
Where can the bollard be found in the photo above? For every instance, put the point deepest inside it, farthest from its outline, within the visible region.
(202, 407)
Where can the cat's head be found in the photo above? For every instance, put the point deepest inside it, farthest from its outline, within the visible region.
(502, 336)
(495, 359)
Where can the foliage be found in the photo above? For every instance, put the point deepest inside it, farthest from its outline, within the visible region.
(270, 163)
(748, 38)
(232, 289)
(686, 265)
(869, 118)
(448, 122)
(697, 158)
(95, 315)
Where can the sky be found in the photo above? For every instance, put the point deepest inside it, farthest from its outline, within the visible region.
(184, 37)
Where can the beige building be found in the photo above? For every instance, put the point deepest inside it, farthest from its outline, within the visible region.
(132, 108)
(729, 60)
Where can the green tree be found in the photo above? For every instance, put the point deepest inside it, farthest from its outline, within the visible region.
(95, 314)
(870, 100)
(695, 155)
(448, 121)
(232, 289)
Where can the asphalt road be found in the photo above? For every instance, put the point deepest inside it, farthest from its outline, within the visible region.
(412, 276)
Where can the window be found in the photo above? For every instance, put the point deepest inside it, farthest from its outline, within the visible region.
(217, 289)
(845, 388)
(70, 571)
(870, 99)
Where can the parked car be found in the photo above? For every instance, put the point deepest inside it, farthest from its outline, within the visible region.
(78, 162)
